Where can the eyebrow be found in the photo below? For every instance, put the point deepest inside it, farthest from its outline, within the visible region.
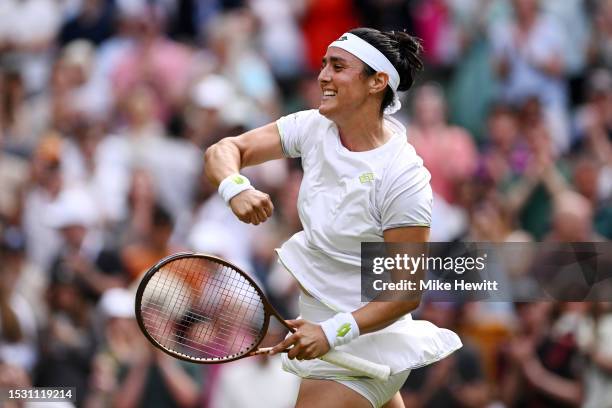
(334, 59)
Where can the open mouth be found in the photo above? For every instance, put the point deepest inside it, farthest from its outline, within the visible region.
(327, 94)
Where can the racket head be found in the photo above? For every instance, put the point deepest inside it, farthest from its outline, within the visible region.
(201, 308)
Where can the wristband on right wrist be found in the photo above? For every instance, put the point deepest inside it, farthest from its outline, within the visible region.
(233, 185)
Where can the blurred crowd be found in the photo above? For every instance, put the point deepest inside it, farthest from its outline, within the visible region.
(106, 107)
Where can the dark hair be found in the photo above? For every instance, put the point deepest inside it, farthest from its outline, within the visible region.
(401, 49)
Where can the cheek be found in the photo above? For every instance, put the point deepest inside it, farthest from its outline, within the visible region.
(353, 89)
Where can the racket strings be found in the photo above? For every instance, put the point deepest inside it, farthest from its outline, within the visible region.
(203, 309)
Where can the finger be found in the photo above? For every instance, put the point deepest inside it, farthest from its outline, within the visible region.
(243, 216)
(295, 323)
(296, 351)
(261, 213)
(268, 208)
(258, 215)
(283, 345)
(309, 353)
(253, 217)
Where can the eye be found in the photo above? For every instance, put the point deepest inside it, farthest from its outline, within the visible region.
(338, 67)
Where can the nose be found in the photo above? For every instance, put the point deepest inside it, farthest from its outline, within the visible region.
(324, 75)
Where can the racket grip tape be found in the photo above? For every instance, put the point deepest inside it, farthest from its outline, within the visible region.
(358, 365)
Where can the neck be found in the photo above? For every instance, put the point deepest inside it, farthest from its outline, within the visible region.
(362, 132)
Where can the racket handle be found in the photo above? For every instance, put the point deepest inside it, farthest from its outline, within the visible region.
(358, 365)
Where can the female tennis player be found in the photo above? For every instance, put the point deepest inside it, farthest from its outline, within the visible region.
(362, 182)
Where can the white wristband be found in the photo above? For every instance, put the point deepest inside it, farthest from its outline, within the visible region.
(340, 329)
(233, 185)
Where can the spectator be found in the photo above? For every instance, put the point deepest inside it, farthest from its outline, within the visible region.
(230, 38)
(149, 248)
(94, 22)
(457, 381)
(154, 62)
(594, 339)
(13, 179)
(101, 165)
(594, 118)
(18, 324)
(572, 219)
(447, 151)
(69, 340)
(84, 262)
(529, 59)
(266, 376)
(589, 179)
(542, 178)
(43, 242)
(601, 52)
(128, 371)
(27, 31)
(12, 377)
(21, 118)
(538, 369)
(435, 25)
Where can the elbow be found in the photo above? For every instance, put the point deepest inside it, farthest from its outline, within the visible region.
(411, 306)
(209, 153)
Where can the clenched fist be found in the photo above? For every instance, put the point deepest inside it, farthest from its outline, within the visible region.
(252, 206)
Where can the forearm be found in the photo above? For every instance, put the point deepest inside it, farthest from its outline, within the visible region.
(509, 386)
(554, 181)
(603, 361)
(221, 160)
(378, 315)
(130, 393)
(181, 386)
(568, 391)
(100, 282)
(392, 305)
(518, 195)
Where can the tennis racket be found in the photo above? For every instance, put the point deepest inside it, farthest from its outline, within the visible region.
(203, 309)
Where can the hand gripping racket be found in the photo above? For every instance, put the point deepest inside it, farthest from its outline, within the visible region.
(203, 309)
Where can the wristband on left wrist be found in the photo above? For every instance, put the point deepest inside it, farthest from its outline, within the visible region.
(340, 329)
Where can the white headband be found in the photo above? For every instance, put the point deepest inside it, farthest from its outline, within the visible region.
(375, 59)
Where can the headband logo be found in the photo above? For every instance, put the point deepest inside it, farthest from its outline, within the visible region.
(343, 38)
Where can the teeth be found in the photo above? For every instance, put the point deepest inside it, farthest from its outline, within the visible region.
(329, 93)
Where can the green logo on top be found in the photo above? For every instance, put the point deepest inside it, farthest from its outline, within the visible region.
(238, 180)
(366, 177)
(342, 330)
(343, 38)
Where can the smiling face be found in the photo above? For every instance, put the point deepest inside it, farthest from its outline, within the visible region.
(345, 87)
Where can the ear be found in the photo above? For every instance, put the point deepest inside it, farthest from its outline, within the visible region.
(378, 82)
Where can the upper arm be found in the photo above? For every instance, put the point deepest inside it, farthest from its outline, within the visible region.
(407, 234)
(407, 198)
(259, 145)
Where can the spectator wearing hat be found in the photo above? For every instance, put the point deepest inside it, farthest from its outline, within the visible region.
(129, 371)
(84, 260)
(44, 187)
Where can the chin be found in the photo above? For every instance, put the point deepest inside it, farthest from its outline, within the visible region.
(326, 110)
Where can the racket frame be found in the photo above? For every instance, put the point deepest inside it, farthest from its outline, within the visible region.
(268, 309)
